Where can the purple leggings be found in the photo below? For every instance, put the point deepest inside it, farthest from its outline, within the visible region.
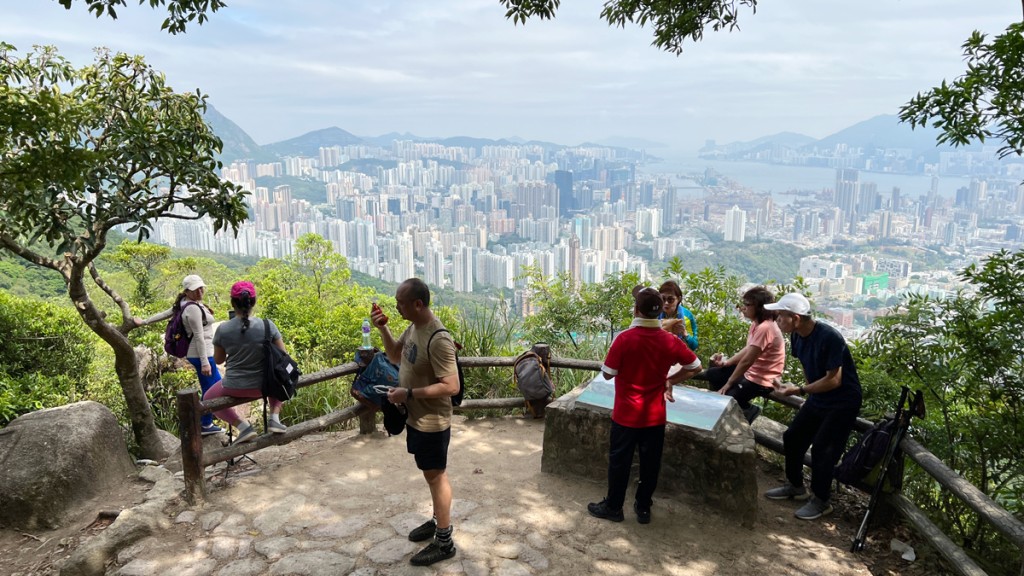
(230, 415)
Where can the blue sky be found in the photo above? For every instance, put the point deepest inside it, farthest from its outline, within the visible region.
(280, 68)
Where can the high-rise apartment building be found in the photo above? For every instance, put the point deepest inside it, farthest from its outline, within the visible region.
(735, 224)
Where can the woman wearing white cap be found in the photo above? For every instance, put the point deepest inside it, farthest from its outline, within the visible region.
(199, 326)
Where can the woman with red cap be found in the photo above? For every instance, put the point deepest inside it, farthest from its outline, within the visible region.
(239, 342)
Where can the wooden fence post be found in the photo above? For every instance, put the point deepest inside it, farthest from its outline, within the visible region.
(191, 445)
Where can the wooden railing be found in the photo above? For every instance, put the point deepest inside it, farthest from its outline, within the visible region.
(194, 459)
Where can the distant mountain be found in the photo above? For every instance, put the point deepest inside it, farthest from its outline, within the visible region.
(309, 144)
(385, 140)
(238, 145)
(790, 140)
(886, 131)
(878, 133)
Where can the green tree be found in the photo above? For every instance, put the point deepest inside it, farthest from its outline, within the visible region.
(140, 260)
(986, 102)
(87, 149)
(316, 257)
(45, 355)
(967, 354)
(610, 304)
(674, 268)
(560, 316)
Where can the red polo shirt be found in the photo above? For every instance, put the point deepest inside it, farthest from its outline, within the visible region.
(640, 358)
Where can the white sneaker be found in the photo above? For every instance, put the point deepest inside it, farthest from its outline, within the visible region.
(276, 427)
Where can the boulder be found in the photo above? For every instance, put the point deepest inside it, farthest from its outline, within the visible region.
(53, 460)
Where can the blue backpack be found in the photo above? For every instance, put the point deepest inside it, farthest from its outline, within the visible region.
(176, 337)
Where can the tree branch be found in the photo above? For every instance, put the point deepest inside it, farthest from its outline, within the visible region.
(33, 257)
(127, 322)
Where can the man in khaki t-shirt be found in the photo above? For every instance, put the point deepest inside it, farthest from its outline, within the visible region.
(427, 381)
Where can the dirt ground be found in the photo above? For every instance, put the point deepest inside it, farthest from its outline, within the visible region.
(501, 499)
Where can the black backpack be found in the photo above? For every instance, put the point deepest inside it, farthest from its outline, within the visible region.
(860, 461)
(281, 373)
(457, 399)
(533, 381)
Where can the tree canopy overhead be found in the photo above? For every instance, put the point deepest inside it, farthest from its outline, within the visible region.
(179, 12)
(673, 21)
(85, 150)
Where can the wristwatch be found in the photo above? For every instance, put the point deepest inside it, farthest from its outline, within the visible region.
(803, 391)
(408, 396)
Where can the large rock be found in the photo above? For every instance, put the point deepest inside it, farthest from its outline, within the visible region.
(54, 459)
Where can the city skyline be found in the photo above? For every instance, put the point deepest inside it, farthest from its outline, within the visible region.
(283, 69)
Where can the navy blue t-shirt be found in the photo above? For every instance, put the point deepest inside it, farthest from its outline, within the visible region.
(822, 350)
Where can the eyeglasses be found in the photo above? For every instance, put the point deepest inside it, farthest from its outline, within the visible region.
(669, 299)
(743, 305)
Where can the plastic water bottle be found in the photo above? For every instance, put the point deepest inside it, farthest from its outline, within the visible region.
(366, 335)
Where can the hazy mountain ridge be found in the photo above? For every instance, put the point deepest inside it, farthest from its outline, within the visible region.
(880, 132)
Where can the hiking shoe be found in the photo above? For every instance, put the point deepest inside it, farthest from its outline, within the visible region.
(752, 413)
(434, 552)
(787, 492)
(246, 434)
(643, 515)
(211, 429)
(424, 531)
(814, 509)
(601, 510)
(276, 427)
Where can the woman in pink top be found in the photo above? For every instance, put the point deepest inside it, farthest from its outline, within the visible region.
(749, 373)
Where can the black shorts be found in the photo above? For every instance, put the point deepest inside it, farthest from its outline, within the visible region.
(429, 448)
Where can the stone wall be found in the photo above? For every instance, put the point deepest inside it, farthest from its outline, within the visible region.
(717, 466)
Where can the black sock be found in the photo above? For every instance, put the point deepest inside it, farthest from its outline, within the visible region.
(444, 537)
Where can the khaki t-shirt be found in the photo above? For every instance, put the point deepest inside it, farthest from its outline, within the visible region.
(419, 369)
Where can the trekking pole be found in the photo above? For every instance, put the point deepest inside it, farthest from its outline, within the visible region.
(903, 422)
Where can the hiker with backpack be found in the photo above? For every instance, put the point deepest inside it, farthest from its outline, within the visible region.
(825, 420)
(640, 359)
(749, 373)
(428, 377)
(189, 335)
(239, 343)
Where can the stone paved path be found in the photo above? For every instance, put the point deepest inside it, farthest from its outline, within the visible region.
(343, 504)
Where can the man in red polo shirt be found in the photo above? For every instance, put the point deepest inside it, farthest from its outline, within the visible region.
(639, 360)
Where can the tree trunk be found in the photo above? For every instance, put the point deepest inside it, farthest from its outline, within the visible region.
(126, 364)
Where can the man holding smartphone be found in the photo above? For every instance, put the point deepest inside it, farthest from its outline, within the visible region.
(427, 381)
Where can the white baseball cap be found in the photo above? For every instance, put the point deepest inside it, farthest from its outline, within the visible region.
(792, 302)
(192, 282)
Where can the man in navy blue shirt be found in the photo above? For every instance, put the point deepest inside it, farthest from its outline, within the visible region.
(826, 419)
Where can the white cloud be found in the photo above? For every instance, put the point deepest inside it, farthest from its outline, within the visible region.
(458, 67)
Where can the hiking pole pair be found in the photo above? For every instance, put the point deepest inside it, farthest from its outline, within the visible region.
(903, 416)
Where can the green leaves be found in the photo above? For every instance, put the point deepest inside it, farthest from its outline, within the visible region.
(673, 20)
(179, 12)
(100, 146)
(986, 102)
